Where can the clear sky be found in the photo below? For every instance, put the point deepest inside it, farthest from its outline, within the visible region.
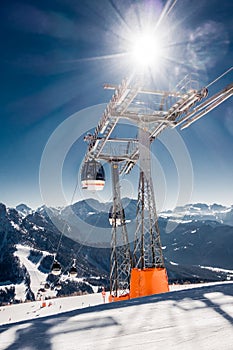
(57, 54)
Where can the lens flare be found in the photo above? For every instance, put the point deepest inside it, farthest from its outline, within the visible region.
(146, 49)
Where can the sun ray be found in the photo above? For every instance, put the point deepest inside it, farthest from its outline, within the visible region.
(166, 10)
(97, 58)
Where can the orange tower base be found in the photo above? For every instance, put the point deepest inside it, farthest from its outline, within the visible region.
(148, 281)
(111, 298)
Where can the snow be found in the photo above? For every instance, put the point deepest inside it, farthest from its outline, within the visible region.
(179, 221)
(198, 212)
(23, 210)
(37, 277)
(196, 318)
(37, 228)
(30, 310)
(217, 269)
(16, 226)
(20, 290)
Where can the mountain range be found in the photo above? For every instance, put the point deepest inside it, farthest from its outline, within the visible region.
(197, 242)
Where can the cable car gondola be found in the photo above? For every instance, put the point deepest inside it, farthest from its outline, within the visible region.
(58, 286)
(118, 217)
(47, 285)
(56, 268)
(73, 270)
(93, 176)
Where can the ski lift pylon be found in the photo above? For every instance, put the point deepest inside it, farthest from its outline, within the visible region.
(112, 219)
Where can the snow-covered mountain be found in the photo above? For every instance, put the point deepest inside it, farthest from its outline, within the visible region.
(23, 209)
(199, 238)
(27, 247)
(201, 212)
(96, 212)
(197, 249)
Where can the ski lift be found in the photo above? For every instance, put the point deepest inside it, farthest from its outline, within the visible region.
(73, 270)
(47, 286)
(93, 176)
(111, 219)
(56, 268)
(58, 286)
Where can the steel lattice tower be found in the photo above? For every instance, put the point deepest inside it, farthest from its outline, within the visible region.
(120, 256)
(147, 244)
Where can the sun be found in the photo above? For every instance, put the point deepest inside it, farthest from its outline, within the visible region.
(146, 49)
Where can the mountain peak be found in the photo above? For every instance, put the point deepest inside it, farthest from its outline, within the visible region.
(23, 209)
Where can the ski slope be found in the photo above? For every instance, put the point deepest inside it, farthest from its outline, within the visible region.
(193, 318)
(37, 278)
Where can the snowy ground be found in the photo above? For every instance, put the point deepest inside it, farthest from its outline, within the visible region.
(198, 318)
(37, 277)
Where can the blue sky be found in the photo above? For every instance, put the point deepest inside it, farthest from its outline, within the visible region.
(55, 57)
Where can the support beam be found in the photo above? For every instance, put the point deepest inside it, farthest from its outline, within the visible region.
(121, 261)
(147, 245)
